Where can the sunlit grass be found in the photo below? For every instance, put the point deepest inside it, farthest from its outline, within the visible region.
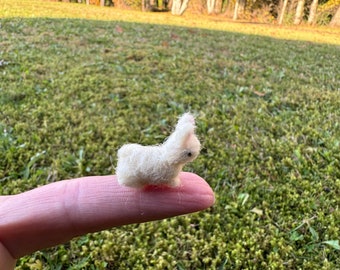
(39, 8)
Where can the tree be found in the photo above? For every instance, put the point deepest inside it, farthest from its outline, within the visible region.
(239, 7)
(146, 5)
(299, 12)
(218, 6)
(102, 3)
(211, 6)
(312, 11)
(236, 10)
(282, 12)
(336, 18)
(179, 6)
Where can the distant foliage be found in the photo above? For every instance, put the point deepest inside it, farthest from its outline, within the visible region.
(257, 11)
(326, 11)
(135, 4)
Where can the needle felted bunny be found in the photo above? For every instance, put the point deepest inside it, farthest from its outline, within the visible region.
(140, 165)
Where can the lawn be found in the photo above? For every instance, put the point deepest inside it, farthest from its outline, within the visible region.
(74, 89)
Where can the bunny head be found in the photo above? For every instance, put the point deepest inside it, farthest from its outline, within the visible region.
(183, 145)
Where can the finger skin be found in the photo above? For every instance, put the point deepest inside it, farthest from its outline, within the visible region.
(55, 213)
(7, 262)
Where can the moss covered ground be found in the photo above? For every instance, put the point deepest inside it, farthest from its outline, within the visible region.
(72, 91)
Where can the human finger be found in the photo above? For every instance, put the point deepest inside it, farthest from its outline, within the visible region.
(55, 213)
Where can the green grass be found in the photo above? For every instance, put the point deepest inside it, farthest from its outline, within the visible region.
(72, 91)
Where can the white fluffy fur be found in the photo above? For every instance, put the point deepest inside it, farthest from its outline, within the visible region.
(140, 165)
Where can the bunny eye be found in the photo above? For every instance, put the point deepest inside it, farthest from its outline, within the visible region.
(189, 154)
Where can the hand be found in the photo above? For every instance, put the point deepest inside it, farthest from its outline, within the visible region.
(55, 213)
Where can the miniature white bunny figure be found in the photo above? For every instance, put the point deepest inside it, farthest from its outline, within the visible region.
(140, 165)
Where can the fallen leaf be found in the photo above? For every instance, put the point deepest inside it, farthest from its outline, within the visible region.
(192, 31)
(260, 94)
(333, 243)
(165, 44)
(174, 36)
(119, 29)
(257, 211)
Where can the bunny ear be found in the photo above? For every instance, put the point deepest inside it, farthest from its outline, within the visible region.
(186, 137)
(186, 119)
(184, 133)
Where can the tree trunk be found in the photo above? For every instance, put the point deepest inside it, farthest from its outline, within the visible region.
(240, 7)
(87, 2)
(218, 6)
(102, 3)
(184, 6)
(336, 18)
(299, 12)
(179, 6)
(291, 6)
(282, 12)
(312, 11)
(211, 6)
(236, 10)
(168, 3)
(146, 6)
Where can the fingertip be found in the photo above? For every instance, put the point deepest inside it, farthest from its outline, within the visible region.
(197, 186)
(191, 185)
(191, 195)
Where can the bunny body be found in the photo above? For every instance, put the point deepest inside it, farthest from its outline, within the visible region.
(140, 165)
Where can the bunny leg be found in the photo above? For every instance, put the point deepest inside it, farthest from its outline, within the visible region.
(175, 182)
